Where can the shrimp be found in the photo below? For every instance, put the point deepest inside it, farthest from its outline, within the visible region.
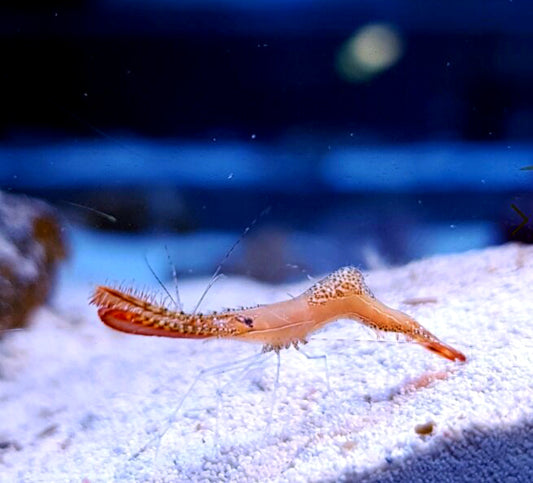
(341, 295)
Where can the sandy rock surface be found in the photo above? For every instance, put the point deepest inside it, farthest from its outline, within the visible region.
(78, 400)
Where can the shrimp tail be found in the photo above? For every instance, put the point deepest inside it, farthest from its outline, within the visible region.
(444, 350)
(414, 331)
(426, 339)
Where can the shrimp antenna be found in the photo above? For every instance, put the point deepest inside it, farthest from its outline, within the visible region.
(99, 131)
(16, 329)
(159, 281)
(217, 273)
(175, 278)
(362, 341)
(274, 395)
(103, 214)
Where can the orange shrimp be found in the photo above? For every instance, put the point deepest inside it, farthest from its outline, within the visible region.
(341, 295)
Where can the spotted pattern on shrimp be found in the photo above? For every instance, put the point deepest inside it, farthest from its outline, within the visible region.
(344, 282)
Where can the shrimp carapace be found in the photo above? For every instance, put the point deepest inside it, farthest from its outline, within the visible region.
(341, 295)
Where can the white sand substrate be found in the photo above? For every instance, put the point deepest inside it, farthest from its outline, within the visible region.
(78, 400)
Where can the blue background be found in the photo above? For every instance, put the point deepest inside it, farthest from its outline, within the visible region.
(187, 120)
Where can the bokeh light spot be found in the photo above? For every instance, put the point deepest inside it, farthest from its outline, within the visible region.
(371, 50)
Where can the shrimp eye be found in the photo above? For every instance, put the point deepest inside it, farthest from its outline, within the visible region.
(248, 321)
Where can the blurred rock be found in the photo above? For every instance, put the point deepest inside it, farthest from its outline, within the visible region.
(268, 256)
(31, 245)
